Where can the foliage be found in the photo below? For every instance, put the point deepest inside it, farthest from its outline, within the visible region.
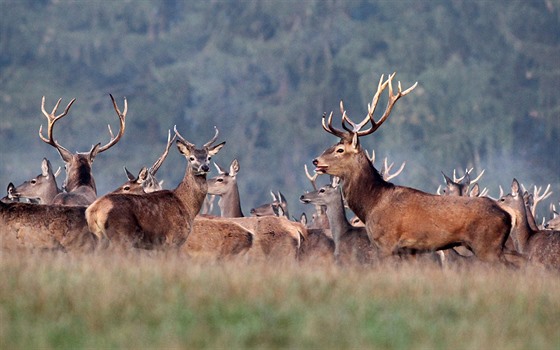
(264, 72)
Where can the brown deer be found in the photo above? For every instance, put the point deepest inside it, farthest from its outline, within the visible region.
(275, 238)
(42, 189)
(319, 220)
(400, 219)
(146, 181)
(225, 186)
(461, 186)
(79, 184)
(44, 227)
(542, 247)
(278, 205)
(351, 244)
(554, 222)
(157, 220)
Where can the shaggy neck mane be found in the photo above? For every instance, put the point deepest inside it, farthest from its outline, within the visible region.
(363, 186)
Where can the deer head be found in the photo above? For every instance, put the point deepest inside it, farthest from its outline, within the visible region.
(79, 165)
(338, 159)
(42, 188)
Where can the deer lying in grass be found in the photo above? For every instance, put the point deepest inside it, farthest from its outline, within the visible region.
(79, 184)
(400, 219)
(278, 204)
(146, 181)
(156, 220)
(542, 247)
(352, 244)
(42, 189)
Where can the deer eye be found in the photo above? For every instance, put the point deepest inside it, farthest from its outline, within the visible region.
(33, 181)
(127, 188)
(322, 190)
(191, 159)
(220, 180)
(340, 150)
(209, 158)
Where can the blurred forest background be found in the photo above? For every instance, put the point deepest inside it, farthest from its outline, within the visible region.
(264, 72)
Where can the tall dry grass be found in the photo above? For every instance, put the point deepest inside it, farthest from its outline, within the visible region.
(162, 301)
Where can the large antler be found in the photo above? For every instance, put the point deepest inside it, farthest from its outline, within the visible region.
(356, 128)
(122, 118)
(153, 170)
(51, 120)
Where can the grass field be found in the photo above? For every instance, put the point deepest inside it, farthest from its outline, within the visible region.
(57, 301)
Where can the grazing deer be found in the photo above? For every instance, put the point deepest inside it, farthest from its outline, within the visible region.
(400, 219)
(542, 247)
(351, 244)
(41, 189)
(79, 184)
(278, 204)
(146, 181)
(156, 220)
(225, 186)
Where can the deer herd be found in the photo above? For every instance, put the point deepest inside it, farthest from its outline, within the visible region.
(457, 225)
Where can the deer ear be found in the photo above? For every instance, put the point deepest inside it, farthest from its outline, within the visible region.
(129, 175)
(183, 148)
(45, 167)
(142, 175)
(234, 168)
(214, 150)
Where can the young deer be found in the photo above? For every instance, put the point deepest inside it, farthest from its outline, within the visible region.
(351, 244)
(225, 186)
(42, 189)
(542, 247)
(278, 204)
(146, 181)
(400, 219)
(156, 220)
(79, 184)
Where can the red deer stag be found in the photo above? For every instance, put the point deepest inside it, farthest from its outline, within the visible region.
(400, 219)
(542, 247)
(156, 220)
(79, 184)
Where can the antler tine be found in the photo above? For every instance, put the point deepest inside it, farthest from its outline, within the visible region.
(478, 177)
(387, 176)
(356, 128)
(459, 179)
(391, 102)
(153, 170)
(181, 138)
(312, 179)
(221, 171)
(329, 128)
(537, 197)
(51, 120)
(372, 158)
(122, 119)
(209, 143)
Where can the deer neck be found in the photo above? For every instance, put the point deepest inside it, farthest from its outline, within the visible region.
(81, 177)
(192, 190)
(521, 231)
(363, 186)
(230, 204)
(338, 222)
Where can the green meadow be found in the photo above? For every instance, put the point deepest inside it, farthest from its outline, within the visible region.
(58, 301)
